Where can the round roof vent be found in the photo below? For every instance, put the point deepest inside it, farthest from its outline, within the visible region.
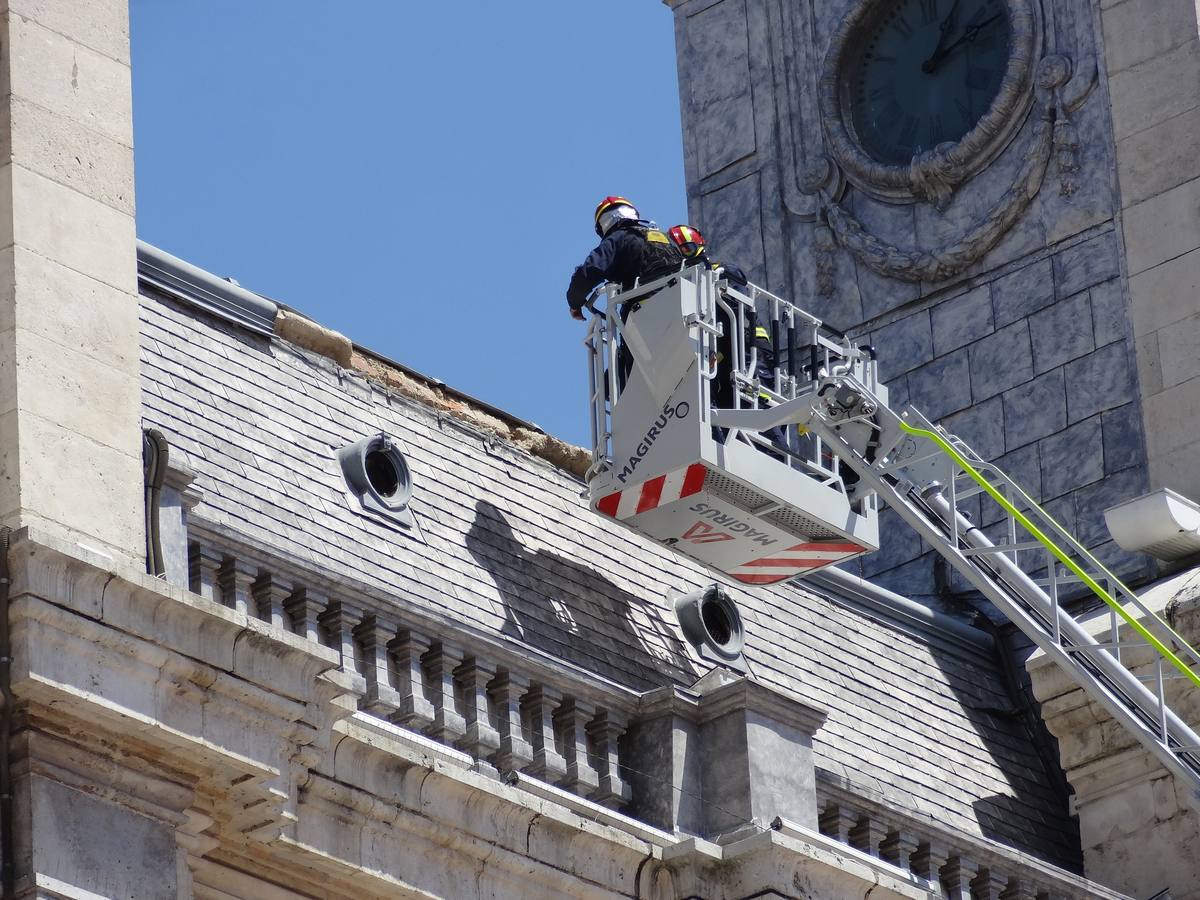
(712, 624)
(377, 474)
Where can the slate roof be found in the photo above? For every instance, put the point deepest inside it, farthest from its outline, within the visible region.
(507, 545)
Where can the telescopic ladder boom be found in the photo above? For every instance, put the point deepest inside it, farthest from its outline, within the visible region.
(925, 475)
(683, 455)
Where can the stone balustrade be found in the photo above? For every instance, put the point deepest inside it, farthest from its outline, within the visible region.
(527, 718)
(967, 868)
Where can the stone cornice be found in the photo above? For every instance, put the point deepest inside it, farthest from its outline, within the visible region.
(236, 709)
(719, 693)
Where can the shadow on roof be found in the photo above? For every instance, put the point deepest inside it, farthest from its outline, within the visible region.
(572, 611)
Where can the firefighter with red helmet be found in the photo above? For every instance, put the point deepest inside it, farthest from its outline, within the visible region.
(631, 250)
(694, 248)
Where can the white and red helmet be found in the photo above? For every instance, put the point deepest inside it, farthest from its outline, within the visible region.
(612, 210)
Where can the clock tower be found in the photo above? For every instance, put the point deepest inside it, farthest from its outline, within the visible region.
(1003, 196)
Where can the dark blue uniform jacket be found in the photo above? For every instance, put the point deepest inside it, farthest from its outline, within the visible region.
(623, 256)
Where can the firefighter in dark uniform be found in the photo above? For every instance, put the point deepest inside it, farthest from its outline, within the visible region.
(631, 250)
(694, 248)
(692, 245)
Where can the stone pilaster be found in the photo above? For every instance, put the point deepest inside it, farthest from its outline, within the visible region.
(1152, 52)
(70, 399)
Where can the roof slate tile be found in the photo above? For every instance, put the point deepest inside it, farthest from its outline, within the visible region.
(507, 546)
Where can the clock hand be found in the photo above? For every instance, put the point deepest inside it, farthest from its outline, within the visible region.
(970, 33)
(944, 32)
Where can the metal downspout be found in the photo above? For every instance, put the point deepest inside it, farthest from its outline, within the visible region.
(7, 868)
(155, 453)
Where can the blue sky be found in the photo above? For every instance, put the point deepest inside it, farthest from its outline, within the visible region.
(418, 176)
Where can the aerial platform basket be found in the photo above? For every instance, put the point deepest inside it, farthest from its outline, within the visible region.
(758, 508)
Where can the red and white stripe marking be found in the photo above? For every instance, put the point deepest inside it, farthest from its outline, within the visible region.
(654, 493)
(794, 561)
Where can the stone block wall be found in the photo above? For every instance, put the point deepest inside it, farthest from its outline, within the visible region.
(1028, 351)
(1032, 366)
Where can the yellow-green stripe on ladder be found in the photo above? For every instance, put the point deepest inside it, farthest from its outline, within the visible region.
(1061, 556)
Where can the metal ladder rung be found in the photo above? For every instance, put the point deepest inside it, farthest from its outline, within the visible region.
(1058, 580)
(1104, 645)
(1165, 674)
(967, 493)
(1003, 548)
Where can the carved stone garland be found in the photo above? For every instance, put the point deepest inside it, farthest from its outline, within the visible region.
(944, 262)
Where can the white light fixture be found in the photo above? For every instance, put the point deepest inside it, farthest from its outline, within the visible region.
(1163, 523)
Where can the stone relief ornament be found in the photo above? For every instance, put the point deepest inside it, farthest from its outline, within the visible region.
(941, 263)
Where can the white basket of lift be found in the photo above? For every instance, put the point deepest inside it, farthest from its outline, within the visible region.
(759, 508)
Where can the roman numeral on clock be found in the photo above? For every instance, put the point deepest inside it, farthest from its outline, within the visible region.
(901, 25)
(929, 11)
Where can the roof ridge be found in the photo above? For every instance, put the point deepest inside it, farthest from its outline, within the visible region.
(233, 303)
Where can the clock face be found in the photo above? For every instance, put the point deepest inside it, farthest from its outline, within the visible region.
(925, 73)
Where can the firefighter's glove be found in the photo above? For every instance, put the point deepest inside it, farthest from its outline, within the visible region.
(577, 314)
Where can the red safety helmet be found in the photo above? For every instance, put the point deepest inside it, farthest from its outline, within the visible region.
(689, 241)
(611, 210)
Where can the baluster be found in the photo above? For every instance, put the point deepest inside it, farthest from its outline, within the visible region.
(339, 622)
(515, 751)
(929, 859)
(373, 635)
(440, 662)
(480, 739)
(571, 720)
(415, 711)
(235, 580)
(1018, 889)
(270, 594)
(305, 608)
(898, 849)
(957, 875)
(836, 821)
(538, 707)
(867, 835)
(988, 884)
(203, 565)
(605, 731)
